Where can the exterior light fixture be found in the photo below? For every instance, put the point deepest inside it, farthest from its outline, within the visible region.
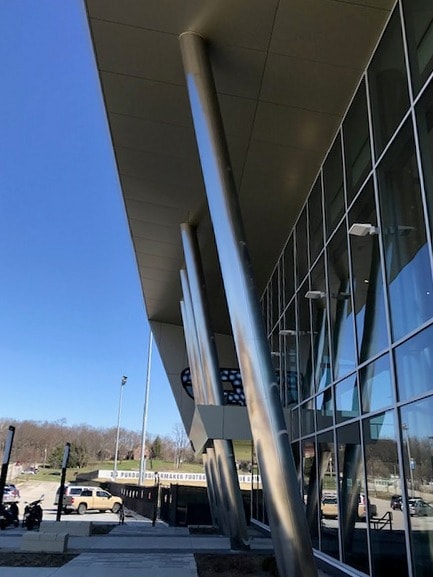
(363, 229)
(288, 333)
(314, 295)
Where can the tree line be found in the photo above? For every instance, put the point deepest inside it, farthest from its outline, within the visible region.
(42, 442)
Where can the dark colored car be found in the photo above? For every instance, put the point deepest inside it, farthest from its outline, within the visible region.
(395, 502)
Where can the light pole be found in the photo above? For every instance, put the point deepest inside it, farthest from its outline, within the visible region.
(122, 384)
(145, 412)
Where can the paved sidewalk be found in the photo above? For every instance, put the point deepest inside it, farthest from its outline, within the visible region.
(135, 549)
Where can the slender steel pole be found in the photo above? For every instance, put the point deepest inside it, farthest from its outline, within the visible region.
(6, 459)
(287, 519)
(223, 448)
(145, 412)
(122, 384)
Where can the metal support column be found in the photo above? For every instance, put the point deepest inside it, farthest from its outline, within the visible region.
(289, 529)
(199, 392)
(234, 508)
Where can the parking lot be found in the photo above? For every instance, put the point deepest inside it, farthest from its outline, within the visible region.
(31, 490)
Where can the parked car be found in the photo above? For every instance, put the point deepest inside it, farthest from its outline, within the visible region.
(68, 490)
(362, 507)
(11, 494)
(395, 502)
(91, 499)
(329, 507)
(419, 508)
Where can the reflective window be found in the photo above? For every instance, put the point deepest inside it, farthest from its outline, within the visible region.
(322, 362)
(369, 300)
(307, 418)
(275, 297)
(354, 538)
(305, 350)
(404, 237)
(340, 303)
(381, 462)
(388, 84)
(315, 220)
(324, 409)
(424, 111)
(418, 16)
(417, 432)
(333, 187)
(376, 387)
(289, 271)
(311, 489)
(414, 365)
(326, 461)
(346, 399)
(289, 379)
(302, 248)
(356, 136)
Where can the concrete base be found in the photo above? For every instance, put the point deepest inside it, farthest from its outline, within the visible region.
(75, 528)
(44, 542)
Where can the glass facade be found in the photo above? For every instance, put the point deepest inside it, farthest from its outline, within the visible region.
(349, 311)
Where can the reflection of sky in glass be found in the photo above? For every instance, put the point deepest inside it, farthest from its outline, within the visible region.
(346, 399)
(376, 389)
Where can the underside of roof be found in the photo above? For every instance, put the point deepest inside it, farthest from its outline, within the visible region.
(285, 72)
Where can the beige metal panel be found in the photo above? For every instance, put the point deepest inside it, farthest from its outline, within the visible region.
(137, 52)
(244, 22)
(294, 127)
(163, 193)
(307, 84)
(151, 230)
(319, 31)
(146, 98)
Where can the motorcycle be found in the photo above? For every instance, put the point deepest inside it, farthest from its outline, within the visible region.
(9, 514)
(33, 515)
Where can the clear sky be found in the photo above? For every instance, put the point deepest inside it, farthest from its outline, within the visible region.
(72, 318)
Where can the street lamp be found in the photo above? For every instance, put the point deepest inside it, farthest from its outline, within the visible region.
(122, 384)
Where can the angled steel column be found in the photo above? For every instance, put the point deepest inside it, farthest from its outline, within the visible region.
(200, 397)
(210, 490)
(224, 452)
(290, 535)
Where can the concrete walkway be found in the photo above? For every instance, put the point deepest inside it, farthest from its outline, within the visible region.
(130, 550)
(135, 549)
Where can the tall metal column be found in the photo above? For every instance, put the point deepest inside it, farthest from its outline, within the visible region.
(224, 452)
(200, 394)
(290, 535)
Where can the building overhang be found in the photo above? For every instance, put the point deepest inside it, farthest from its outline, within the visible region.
(285, 73)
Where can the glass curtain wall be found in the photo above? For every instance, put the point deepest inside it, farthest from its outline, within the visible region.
(349, 311)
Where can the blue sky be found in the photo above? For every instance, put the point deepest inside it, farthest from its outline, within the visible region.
(72, 315)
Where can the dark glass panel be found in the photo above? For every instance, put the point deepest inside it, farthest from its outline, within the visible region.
(368, 291)
(388, 84)
(315, 219)
(305, 350)
(326, 463)
(324, 409)
(340, 303)
(307, 418)
(417, 434)
(322, 363)
(275, 297)
(424, 115)
(418, 17)
(354, 537)
(289, 271)
(381, 462)
(407, 259)
(346, 399)
(356, 137)
(414, 365)
(311, 488)
(333, 188)
(376, 385)
(302, 264)
(289, 379)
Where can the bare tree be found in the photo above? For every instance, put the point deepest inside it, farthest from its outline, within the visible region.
(181, 444)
